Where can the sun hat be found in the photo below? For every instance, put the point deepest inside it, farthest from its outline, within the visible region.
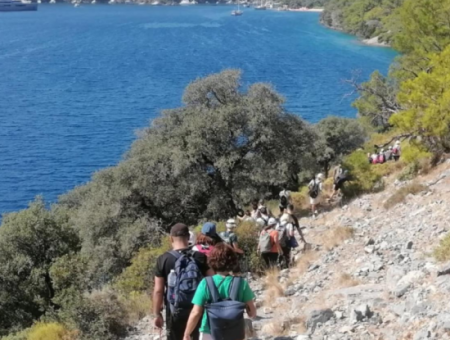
(209, 229)
(231, 223)
(272, 221)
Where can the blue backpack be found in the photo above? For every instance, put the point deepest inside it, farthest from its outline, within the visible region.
(225, 316)
(182, 287)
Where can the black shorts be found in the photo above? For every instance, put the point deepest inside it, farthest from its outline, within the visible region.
(175, 327)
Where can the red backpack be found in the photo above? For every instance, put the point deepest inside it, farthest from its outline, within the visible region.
(205, 249)
(395, 151)
(380, 159)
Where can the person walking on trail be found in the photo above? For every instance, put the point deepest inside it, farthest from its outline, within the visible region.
(285, 199)
(230, 238)
(339, 183)
(388, 154)
(290, 215)
(221, 300)
(315, 188)
(264, 214)
(207, 239)
(269, 245)
(285, 231)
(168, 292)
(396, 151)
(337, 171)
(255, 214)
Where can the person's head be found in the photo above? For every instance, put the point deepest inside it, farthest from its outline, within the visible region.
(240, 213)
(261, 202)
(223, 259)
(390, 148)
(179, 234)
(290, 208)
(272, 223)
(263, 210)
(320, 177)
(397, 143)
(231, 224)
(248, 213)
(382, 151)
(255, 205)
(208, 236)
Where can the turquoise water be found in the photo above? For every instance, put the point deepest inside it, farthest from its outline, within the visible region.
(76, 83)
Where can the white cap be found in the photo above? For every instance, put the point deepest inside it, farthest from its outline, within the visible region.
(231, 223)
(397, 142)
(320, 177)
(272, 221)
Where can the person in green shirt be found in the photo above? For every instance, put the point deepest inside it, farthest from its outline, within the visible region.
(222, 260)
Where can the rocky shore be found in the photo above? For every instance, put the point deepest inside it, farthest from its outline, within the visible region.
(370, 274)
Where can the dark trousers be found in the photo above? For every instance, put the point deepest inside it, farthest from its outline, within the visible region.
(286, 257)
(270, 259)
(175, 327)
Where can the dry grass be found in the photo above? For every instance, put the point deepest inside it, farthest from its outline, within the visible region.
(284, 327)
(400, 195)
(137, 305)
(335, 237)
(305, 261)
(273, 287)
(345, 280)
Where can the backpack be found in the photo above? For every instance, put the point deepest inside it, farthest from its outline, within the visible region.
(225, 316)
(187, 278)
(314, 191)
(205, 249)
(226, 237)
(282, 236)
(381, 159)
(265, 242)
(395, 150)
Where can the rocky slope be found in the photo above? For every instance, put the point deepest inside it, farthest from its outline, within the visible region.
(370, 274)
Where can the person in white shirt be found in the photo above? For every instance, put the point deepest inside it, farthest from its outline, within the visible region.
(315, 188)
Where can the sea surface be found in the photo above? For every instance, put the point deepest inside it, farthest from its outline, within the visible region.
(77, 83)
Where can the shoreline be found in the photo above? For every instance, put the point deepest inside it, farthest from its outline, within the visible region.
(304, 9)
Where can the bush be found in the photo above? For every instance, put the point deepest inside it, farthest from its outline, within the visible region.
(363, 176)
(248, 238)
(442, 252)
(138, 277)
(49, 331)
(17, 336)
(400, 194)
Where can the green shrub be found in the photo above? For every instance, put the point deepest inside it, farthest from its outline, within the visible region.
(400, 195)
(17, 336)
(363, 175)
(248, 238)
(49, 331)
(442, 252)
(138, 277)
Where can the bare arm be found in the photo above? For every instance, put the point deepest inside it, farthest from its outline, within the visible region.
(158, 295)
(210, 272)
(194, 318)
(251, 309)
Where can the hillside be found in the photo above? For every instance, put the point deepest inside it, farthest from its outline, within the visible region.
(370, 276)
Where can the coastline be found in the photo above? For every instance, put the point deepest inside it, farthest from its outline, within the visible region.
(304, 9)
(375, 42)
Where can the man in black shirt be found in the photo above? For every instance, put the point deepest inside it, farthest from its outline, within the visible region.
(179, 236)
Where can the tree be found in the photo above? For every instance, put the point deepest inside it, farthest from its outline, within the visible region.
(426, 100)
(339, 136)
(30, 241)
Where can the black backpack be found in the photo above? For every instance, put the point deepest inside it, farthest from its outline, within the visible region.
(225, 316)
(283, 201)
(314, 191)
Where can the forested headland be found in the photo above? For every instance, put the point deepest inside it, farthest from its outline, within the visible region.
(82, 268)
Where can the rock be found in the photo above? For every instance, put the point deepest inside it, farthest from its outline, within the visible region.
(444, 270)
(406, 282)
(346, 329)
(249, 331)
(369, 249)
(360, 313)
(338, 315)
(409, 245)
(302, 337)
(370, 242)
(313, 267)
(318, 316)
(393, 275)
(290, 291)
(268, 310)
(423, 334)
(257, 326)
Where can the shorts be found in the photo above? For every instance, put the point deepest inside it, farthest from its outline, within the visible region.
(314, 201)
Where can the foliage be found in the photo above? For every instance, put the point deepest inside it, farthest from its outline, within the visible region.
(138, 277)
(340, 136)
(304, 3)
(49, 331)
(400, 195)
(442, 252)
(248, 238)
(22, 335)
(427, 104)
(30, 241)
(363, 177)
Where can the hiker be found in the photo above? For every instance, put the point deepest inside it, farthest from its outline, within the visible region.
(337, 171)
(381, 159)
(294, 220)
(168, 266)
(245, 216)
(396, 151)
(315, 187)
(338, 183)
(268, 245)
(255, 214)
(207, 239)
(285, 231)
(388, 154)
(263, 214)
(285, 198)
(229, 237)
(374, 158)
(221, 300)
(262, 207)
(282, 212)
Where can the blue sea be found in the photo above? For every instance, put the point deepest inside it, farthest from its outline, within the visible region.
(77, 83)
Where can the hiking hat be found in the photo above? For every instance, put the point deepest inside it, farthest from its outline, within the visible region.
(209, 229)
(231, 223)
(272, 221)
(320, 177)
(390, 148)
(179, 230)
(397, 142)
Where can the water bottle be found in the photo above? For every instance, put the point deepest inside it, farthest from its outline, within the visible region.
(172, 278)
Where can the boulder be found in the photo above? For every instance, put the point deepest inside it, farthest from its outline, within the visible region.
(319, 316)
(423, 334)
(249, 331)
(406, 282)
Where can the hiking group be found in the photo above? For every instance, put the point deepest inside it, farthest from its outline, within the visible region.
(201, 283)
(382, 156)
